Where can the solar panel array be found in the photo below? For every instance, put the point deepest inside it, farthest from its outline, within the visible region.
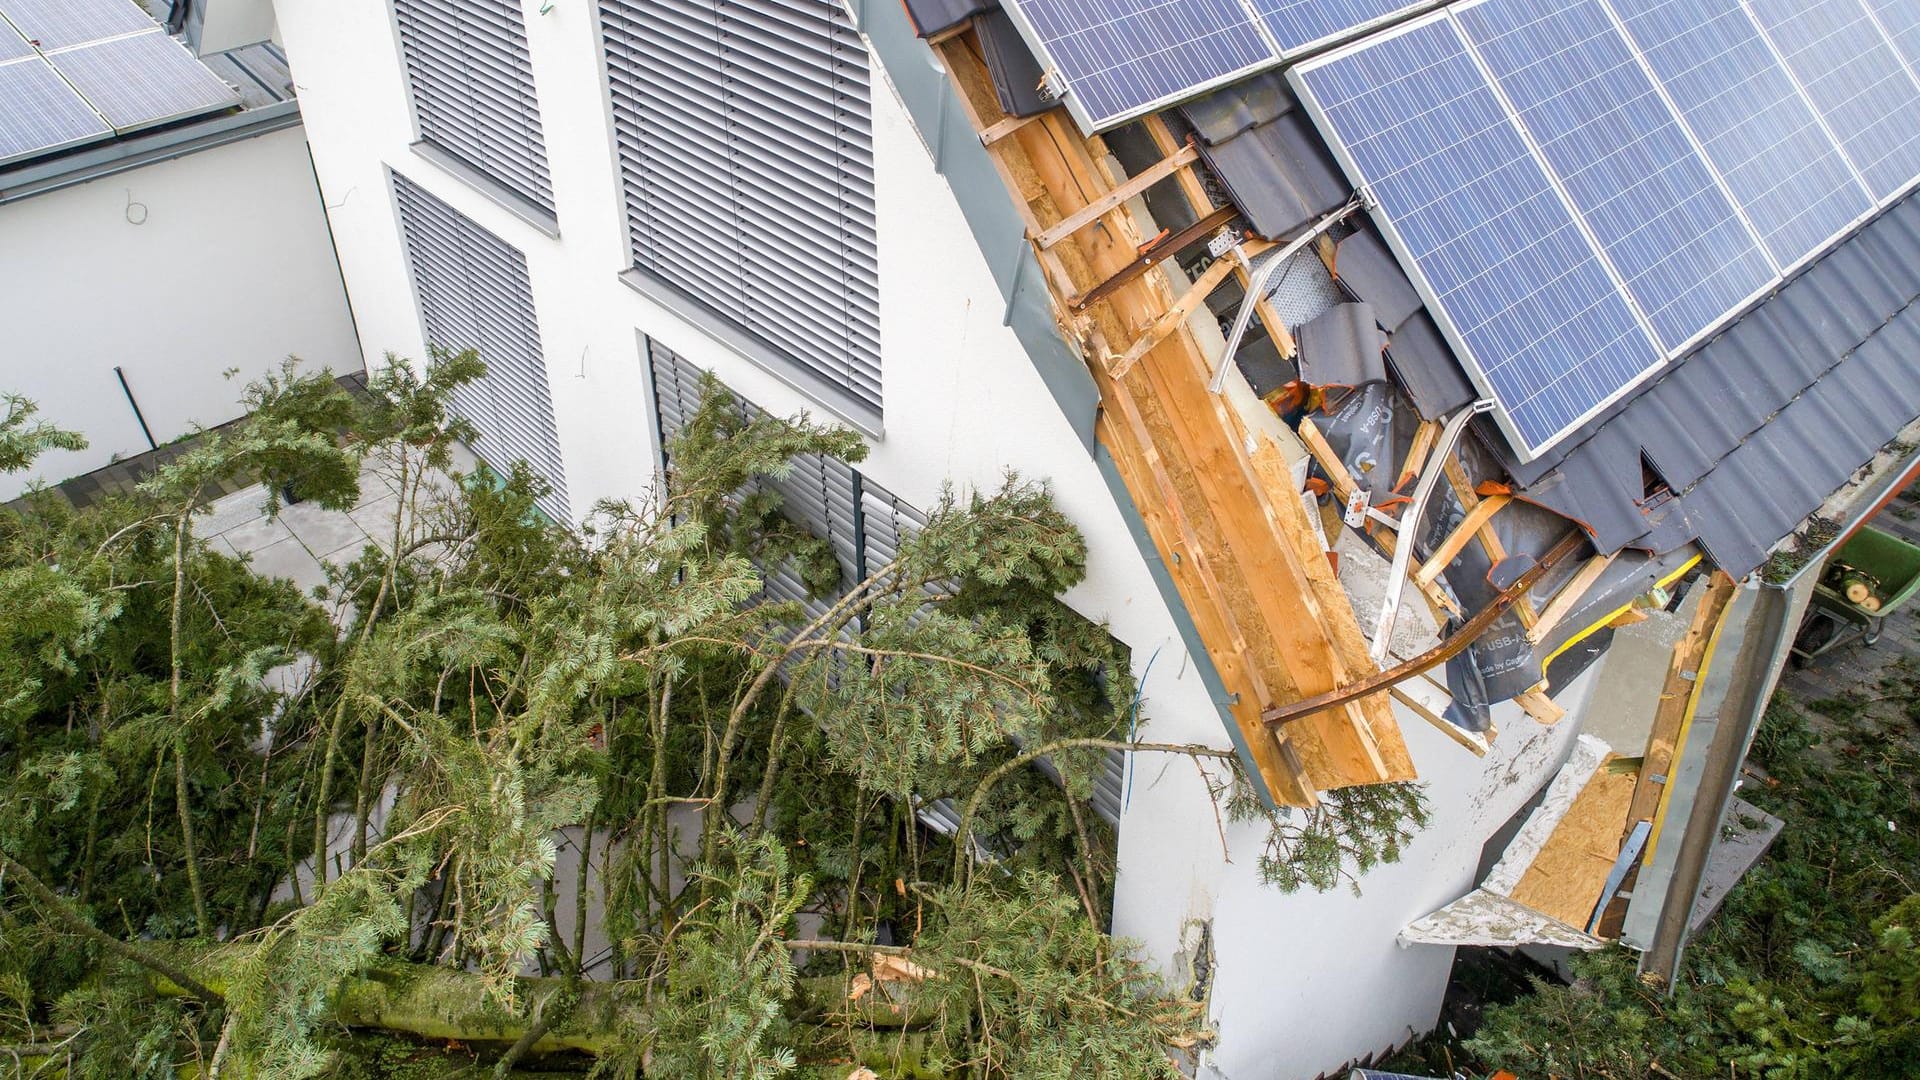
(1117, 59)
(77, 71)
(1586, 188)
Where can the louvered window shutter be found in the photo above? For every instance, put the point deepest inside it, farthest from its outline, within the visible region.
(472, 85)
(746, 148)
(820, 494)
(474, 294)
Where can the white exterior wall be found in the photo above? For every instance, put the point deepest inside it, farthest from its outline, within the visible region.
(176, 271)
(1303, 982)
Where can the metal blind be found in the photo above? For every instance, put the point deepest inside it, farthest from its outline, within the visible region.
(474, 294)
(746, 149)
(472, 87)
(818, 495)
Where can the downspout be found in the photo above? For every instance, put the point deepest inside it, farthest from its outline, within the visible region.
(1769, 622)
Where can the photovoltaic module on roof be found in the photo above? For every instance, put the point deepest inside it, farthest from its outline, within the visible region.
(1118, 59)
(1584, 189)
(79, 71)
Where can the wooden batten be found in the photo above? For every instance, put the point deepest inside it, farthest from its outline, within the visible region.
(1489, 539)
(1113, 200)
(1569, 595)
(1468, 528)
(1217, 499)
(1182, 310)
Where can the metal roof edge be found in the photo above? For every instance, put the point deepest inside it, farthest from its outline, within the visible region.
(108, 159)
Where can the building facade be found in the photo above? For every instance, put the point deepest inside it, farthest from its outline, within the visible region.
(152, 270)
(605, 197)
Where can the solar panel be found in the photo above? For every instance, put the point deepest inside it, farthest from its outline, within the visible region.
(1853, 77)
(1657, 211)
(1901, 21)
(12, 45)
(1296, 24)
(143, 80)
(1750, 119)
(60, 24)
(1531, 309)
(39, 112)
(1122, 58)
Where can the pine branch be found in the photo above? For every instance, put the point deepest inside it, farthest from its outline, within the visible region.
(64, 914)
(963, 836)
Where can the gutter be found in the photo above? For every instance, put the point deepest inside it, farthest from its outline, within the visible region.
(109, 159)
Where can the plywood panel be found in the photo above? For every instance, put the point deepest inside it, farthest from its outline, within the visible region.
(1566, 877)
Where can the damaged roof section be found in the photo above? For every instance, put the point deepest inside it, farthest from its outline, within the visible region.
(1732, 447)
(1712, 460)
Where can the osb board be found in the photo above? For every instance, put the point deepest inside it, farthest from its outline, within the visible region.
(1566, 877)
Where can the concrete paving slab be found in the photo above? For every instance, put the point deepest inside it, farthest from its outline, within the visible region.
(230, 511)
(256, 534)
(290, 559)
(323, 531)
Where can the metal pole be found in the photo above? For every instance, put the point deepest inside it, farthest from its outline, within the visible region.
(137, 414)
(1257, 288)
(1410, 524)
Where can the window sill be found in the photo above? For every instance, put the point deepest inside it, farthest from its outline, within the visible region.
(848, 409)
(512, 202)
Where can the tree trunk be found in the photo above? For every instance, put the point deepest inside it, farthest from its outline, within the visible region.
(434, 1003)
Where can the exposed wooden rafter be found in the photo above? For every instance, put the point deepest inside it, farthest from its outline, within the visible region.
(1216, 495)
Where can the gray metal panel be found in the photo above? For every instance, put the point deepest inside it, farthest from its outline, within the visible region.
(57, 24)
(474, 293)
(143, 80)
(745, 143)
(473, 94)
(39, 112)
(1768, 419)
(933, 16)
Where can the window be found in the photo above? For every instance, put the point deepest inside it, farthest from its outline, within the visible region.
(474, 294)
(472, 86)
(821, 495)
(745, 143)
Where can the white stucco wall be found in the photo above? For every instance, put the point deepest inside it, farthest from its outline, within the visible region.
(177, 272)
(1303, 982)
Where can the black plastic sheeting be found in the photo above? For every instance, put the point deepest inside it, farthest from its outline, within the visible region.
(1015, 72)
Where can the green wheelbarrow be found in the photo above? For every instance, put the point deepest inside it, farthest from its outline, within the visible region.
(1870, 577)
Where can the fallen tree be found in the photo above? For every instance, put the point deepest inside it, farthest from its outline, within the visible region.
(485, 677)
